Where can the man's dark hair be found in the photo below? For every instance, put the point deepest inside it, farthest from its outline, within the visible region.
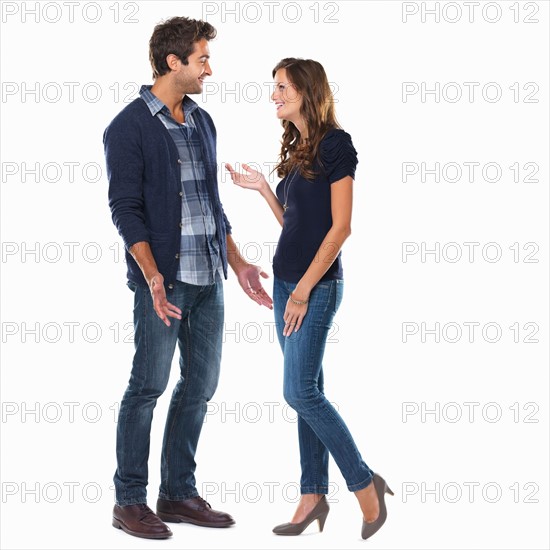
(177, 36)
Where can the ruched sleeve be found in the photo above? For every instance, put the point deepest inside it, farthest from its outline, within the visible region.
(338, 155)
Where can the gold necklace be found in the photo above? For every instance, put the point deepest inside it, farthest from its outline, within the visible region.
(287, 189)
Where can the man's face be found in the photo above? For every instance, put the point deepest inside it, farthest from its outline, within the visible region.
(189, 78)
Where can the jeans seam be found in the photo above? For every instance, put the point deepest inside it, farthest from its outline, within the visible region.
(145, 338)
(313, 489)
(310, 367)
(179, 498)
(126, 502)
(126, 423)
(347, 437)
(361, 485)
(331, 303)
(180, 401)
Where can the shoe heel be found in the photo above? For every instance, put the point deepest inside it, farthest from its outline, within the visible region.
(321, 520)
(116, 523)
(319, 513)
(388, 490)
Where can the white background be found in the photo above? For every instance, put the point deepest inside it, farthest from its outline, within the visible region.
(369, 49)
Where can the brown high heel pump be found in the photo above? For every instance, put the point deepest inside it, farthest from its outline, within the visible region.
(369, 528)
(319, 513)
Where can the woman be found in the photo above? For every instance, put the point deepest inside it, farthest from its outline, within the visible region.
(313, 204)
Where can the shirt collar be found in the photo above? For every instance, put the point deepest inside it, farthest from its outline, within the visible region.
(156, 105)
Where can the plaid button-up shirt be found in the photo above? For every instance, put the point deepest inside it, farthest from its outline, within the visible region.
(199, 256)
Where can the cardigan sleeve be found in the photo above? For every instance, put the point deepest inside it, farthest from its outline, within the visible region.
(228, 228)
(124, 161)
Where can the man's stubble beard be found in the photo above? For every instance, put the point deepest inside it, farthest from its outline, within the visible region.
(189, 86)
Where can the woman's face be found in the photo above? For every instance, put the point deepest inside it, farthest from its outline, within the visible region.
(288, 100)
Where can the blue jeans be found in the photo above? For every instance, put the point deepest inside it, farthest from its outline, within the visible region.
(199, 337)
(321, 430)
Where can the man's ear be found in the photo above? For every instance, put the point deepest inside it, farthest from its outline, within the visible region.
(172, 61)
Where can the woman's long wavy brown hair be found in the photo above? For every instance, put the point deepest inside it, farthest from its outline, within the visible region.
(310, 80)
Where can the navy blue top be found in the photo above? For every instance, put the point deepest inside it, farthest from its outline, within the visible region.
(308, 217)
(145, 195)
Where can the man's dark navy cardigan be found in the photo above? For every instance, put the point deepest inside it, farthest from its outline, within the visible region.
(145, 193)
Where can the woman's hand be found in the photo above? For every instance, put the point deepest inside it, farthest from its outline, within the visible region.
(294, 315)
(252, 179)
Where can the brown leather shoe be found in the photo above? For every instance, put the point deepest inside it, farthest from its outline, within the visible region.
(139, 520)
(193, 510)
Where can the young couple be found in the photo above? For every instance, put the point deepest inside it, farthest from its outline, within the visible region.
(163, 194)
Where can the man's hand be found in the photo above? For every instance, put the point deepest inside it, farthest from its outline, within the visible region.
(249, 279)
(162, 306)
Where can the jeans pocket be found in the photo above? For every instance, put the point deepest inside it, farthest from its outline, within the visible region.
(324, 284)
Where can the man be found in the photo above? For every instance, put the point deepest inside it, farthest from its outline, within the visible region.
(161, 162)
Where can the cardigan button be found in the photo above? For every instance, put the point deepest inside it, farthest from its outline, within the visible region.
(179, 161)
(170, 286)
(177, 256)
(181, 225)
(181, 193)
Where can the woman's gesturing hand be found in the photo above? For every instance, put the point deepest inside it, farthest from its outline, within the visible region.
(252, 179)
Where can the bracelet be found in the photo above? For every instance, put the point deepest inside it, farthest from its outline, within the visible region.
(297, 302)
